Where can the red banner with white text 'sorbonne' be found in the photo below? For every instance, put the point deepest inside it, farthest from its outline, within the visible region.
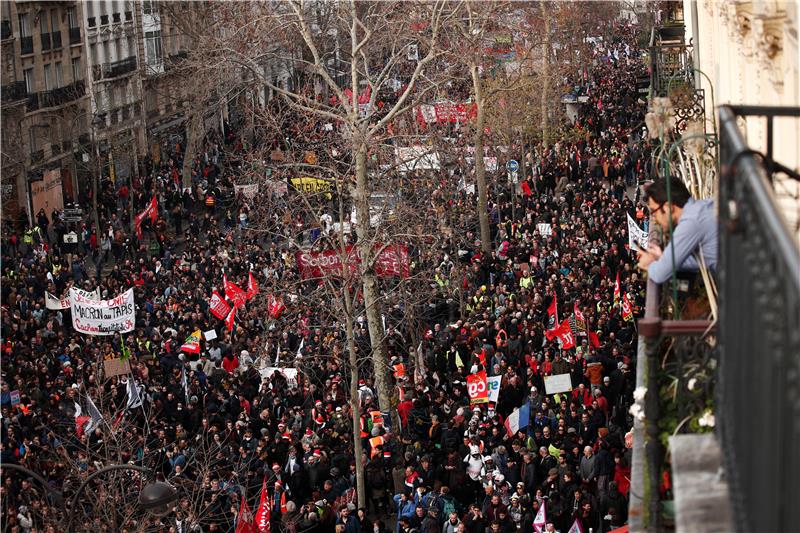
(392, 261)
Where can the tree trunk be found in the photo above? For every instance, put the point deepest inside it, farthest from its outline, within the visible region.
(544, 98)
(193, 136)
(369, 283)
(480, 168)
(354, 398)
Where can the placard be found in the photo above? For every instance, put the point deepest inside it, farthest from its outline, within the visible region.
(557, 383)
(638, 239)
(544, 229)
(116, 367)
(494, 388)
(102, 317)
(15, 399)
(210, 335)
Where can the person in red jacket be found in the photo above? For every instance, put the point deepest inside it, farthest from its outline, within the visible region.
(230, 362)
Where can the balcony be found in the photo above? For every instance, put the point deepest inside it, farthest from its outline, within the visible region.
(45, 41)
(104, 20)
(74, 35)
(26, 45)
(56, 38)
(759, 316)
(56, 97)
(13, 91)
(117, 18)
(5, 29)
(174, 61)
(91, 22)
(717, 367)
(128, 16)
(115, 69)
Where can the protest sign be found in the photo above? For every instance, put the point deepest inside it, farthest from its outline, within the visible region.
(15, 399)
(477, 388)
(637, 237)
(116, 367)
(289, 373)
(557, 383)
(248, 191)
(57, 304)
(544, 229)
(494, 388)
(210, 335)
(102, 317)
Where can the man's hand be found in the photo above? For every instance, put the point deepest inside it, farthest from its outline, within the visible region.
(653, 253)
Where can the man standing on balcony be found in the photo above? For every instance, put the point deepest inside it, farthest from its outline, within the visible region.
(694, 226)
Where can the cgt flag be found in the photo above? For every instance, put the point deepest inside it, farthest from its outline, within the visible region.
(552, 313)
(616, 291)
(151, 211)
(627, 308)
(564, 334)
(252, 286)
(233, 292)
(244, 520)
(477, 388)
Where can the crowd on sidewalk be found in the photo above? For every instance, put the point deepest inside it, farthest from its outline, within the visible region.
(213, 422)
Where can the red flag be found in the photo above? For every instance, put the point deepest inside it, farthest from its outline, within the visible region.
(526, 189)
(616, 291)
(233, 292)
(151, 211)
(564, 333)
(275, 307)
(594, 340)
(244, 520)
(252, 286)
(263, 511)
(580, 320)
(627, 308)
(552, 313)
(482, 357)
(231, 317)
(218, 306)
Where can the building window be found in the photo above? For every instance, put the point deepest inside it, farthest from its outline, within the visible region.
(25, 25)
(148, 7)
(30, 85)
(152, 45)
(32, 144)
(44, 31)
(26, 38)
(59, 78)
(77, 74)
(48, 77)
(72, 18)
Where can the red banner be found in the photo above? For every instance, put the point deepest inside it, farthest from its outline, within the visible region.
(477, 388)
(391, 261)
(446, 112)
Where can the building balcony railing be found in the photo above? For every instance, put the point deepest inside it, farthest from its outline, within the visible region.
(56, 97)
(670, 59)
(174, 61)
(74, 35)
(5, 29)
(56, 38)
(759, 274)
(26, 44)
(115, 69)
(45, 41)
(13, 91)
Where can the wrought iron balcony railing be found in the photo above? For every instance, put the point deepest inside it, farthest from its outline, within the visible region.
(759, 313)
(56, 97)
(74, 35)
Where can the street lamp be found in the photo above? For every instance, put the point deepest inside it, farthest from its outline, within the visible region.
(155, 498)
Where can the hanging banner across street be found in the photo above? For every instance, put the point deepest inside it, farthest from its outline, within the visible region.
(102, 317)
(391, 261)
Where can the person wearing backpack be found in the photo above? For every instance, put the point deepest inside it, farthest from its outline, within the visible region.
(452, 523)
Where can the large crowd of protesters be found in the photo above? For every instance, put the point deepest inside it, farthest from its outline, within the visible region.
(449, 466)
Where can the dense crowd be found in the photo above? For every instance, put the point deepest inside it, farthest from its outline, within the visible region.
(449, 466)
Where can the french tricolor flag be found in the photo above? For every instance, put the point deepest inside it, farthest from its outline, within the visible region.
(519, 418)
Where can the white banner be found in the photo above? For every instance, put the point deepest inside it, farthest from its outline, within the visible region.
(58, 304)
(102, 317)
(289, 373)
(544, 229)
(248, 191)
(494, 387)
(637, 238)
